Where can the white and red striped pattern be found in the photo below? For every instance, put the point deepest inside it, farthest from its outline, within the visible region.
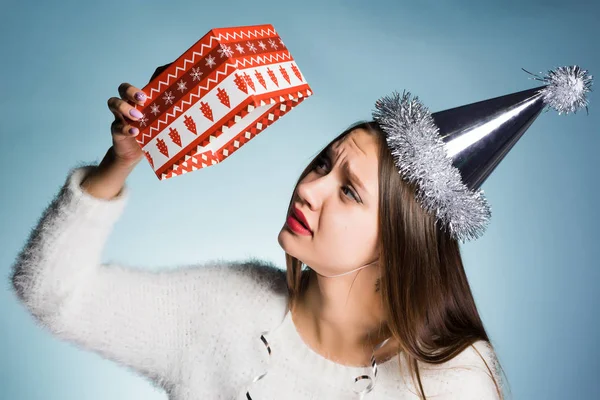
(225, 89)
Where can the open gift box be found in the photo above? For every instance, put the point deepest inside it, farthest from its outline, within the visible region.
(223, 91)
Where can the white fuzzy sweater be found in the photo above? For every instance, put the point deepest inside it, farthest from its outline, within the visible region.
(196, 331)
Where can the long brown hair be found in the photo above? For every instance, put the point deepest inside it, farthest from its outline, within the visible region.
(426, 296)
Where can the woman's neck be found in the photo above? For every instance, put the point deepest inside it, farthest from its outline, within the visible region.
(341, 319)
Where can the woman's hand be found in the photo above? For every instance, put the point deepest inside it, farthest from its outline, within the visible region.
(108, 179)
(127, 151)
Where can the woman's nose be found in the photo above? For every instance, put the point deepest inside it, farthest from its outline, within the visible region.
(314, 191)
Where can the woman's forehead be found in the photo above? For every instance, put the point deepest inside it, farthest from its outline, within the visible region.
(363, 165)
(359, 139)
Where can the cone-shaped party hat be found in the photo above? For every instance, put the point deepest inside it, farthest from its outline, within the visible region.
(449, 154)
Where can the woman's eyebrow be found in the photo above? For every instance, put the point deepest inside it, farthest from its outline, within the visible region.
(346, 168)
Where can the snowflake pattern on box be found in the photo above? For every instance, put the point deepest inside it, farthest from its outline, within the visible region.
(209, 64)
(196, 103)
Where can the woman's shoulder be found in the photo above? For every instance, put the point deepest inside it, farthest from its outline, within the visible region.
(472, 373)
(255, 290)
(242, 277)
(479, 355)
(259, 274)
(475, 351)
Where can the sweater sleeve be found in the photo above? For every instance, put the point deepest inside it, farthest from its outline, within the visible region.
(140, 318)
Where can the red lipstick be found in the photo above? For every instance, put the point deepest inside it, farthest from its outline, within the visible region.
(297, 222)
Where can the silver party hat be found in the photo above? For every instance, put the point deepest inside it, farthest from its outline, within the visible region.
(450, 153)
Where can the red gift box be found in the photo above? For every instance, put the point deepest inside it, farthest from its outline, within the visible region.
(223, 91)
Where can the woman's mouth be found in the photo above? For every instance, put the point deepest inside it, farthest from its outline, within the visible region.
(296, 226)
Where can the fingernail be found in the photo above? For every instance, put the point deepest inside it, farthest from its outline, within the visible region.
(134, 112)
(134, 131)
(140, 96)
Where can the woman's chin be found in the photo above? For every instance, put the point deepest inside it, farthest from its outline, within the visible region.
(287, 243)
(283, 239)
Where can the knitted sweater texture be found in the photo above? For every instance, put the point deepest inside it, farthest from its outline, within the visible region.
(195, 331)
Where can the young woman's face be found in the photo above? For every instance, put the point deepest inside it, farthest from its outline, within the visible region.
(341, 214)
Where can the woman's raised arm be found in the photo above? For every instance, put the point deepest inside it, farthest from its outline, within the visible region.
(140, 318)
(143, 319)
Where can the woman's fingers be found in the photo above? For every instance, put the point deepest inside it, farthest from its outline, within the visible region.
(123, 134)
(131, 93)
(124, 109)
(124, 143)
(121, 127)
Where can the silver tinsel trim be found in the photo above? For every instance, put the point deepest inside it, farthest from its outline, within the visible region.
(421, 158)
(566, 88)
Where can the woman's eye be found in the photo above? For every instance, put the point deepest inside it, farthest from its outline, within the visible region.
(323, 160)
(320, 161)
(351, 193)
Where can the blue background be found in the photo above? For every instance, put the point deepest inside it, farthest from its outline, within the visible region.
(534, 273)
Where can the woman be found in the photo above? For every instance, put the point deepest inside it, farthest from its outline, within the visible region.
(382, 310)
